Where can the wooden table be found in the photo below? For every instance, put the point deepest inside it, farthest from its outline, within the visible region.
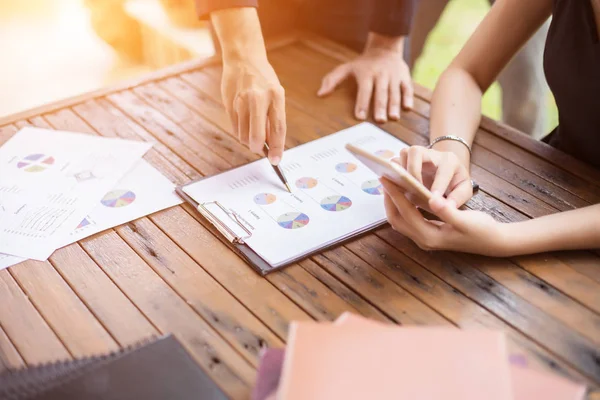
(170, 272)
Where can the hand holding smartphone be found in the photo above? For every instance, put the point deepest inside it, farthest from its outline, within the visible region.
(394, 172)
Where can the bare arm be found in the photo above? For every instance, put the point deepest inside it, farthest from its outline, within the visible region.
(456, 103)
(477, 232)
(239, 33)
(252, 94)
(570, 230)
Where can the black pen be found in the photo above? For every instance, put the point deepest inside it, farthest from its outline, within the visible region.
(278, 170)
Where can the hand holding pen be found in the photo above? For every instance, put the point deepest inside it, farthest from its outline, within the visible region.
(278, 170)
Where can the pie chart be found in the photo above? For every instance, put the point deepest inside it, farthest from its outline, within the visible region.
(264, 199)
(336, 203)
(35, 163)
(293, 220)
(345, 167)
(118, 198)
(372, 187)
(384, 153)
(306, 183)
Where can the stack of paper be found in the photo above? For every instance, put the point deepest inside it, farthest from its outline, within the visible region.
(59, 187)
(355, 358)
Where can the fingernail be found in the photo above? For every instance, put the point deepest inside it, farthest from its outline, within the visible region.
(409, 103)
(394, 115)
(437, 193)
(275, 160)
(380, 116)
(361, 114)
(320, 92)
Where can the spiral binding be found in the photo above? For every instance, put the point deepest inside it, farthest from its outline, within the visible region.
(23, 383)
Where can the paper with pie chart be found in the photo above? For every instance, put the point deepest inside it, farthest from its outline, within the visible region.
(334, 196)
(50, 180)
(141, 192)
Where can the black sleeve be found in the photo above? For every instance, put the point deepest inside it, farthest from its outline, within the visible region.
(393, 17)
(205, 7)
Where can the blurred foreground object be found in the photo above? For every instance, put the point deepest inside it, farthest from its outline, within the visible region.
(151, 370)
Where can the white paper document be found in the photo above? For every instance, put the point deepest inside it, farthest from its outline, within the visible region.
(49, 182)
(334, 195)
(7, 261)
(141, 192)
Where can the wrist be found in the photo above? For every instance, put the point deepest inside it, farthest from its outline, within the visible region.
(382, 42)
(240, 35)
(459, 149)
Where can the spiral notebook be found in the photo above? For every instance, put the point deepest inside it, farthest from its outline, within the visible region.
(151, 370)
(334, 198)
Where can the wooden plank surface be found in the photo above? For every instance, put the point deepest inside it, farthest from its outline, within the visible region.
(194, 79)
(171, 271)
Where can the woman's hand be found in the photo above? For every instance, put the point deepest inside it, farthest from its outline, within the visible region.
(440, 171)
(466, 231)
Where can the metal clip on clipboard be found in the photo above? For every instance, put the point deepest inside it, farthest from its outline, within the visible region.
(222, 226)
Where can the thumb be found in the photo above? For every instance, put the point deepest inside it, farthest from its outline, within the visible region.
(447, 211)
(333, 79)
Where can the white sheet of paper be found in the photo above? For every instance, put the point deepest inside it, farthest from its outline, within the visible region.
(141, 192)
(8, 261)
(50, 180)
(334, 195)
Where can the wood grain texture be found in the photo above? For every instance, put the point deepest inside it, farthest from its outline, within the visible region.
(6, 132)
(210, 300)
(126, 324)
(170, 313)
(172, 272)
(462, 274)
(259, 295)
(31, 335)
(108, 304)
(180, 111)
(72, 321)
(9, 356)
(227, 316)
(314, 304)
(454, 304)
(300, 96)
(512, 214)
(405, 305)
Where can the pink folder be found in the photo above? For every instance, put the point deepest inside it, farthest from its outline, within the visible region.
(386, 362)
(527, 383)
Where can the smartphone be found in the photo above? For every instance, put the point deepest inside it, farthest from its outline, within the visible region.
(392, 171)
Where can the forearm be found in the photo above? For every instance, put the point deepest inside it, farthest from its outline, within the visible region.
(570, 230)
(455, 110)
(239, 33)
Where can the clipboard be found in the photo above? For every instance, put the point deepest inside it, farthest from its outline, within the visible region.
(234, 230)
(237, 243)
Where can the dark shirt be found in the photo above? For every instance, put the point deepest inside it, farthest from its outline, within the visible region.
(572, 68)
(386, 17)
